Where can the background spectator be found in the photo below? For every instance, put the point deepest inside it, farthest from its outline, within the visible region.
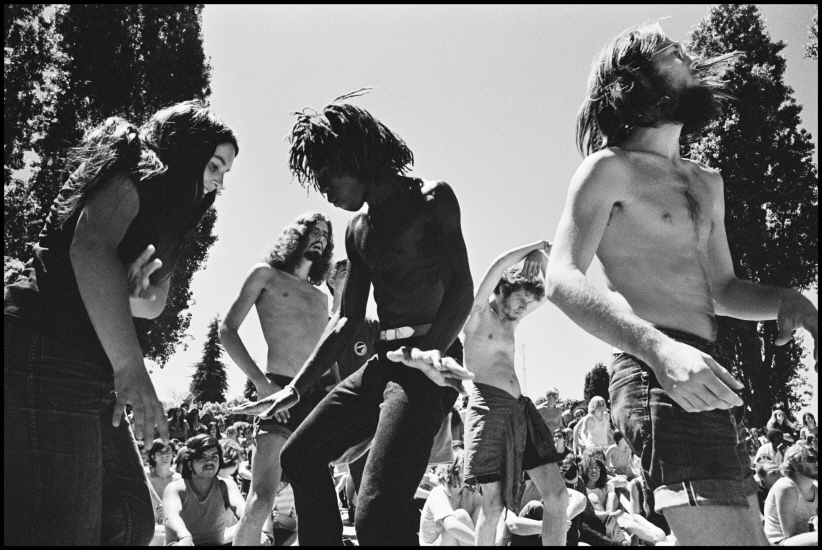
(794, 499)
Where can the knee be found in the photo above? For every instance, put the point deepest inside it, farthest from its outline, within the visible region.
(492, 509)
(293, 459)
(556, 499)
(464, 518)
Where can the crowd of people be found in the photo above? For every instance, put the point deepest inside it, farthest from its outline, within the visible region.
(670, 462)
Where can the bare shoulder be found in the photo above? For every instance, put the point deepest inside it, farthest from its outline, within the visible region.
(262, 273)
(705, 172)
(605, 172)
(439, 193)
(176, 487)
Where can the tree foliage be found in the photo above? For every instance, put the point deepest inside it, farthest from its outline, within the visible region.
(812, 47)
(250, 390)
(771, 196)
(596, 383)
(65, 76)
(210, 381)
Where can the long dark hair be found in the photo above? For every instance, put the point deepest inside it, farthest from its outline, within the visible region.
(287, 251)
(625, 91)
(170, 151)
(347, 141)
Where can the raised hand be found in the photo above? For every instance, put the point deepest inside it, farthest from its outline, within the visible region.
(444, 371)
(694, 379)
(536, 262)
(139, 272)
(269, 406)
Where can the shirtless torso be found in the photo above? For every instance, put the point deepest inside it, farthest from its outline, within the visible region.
(660, 227)
(552, 416)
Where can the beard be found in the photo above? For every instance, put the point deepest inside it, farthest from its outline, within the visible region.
(808, 471)
(694, 107)
(312, 255)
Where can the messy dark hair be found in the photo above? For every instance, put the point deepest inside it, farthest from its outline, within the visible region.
(168, 153)
(588, 463)
(344, 140)
(288, 250)
(512, 280)
(194, 448)
(625, 91)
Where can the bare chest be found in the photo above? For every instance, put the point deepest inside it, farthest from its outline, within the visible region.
(287, 301)
(396, 244)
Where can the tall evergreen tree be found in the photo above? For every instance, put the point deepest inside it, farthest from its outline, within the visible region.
(108, 59)
(596, 383)
(210, 381)
(771, 196)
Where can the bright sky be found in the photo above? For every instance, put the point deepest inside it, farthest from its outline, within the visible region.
(485, 96)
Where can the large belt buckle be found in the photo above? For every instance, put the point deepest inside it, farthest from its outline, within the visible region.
(404, 332)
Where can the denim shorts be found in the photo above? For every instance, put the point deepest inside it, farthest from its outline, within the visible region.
(297, 413)
(688, 459)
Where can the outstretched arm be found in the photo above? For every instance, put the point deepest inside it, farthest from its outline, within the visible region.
(751, 301)
(692, 378)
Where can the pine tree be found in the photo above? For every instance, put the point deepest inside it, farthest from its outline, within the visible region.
(596, 383)
(95, 61)
(771, 197)
(210, 382)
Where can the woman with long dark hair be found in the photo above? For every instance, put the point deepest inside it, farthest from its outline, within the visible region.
(106, 254)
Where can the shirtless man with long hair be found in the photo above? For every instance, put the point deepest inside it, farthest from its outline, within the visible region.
(408, 244)
(656, 223)
(293, 313)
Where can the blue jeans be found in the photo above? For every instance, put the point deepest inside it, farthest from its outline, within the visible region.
(403, 410)
(69, 476)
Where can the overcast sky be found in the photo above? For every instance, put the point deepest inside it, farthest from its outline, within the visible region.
(486, 98)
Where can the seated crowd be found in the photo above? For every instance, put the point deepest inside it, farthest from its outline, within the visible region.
(200, 478)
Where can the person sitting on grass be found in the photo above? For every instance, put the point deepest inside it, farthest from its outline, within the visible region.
(195, 506)
(775, 449)
(160, 474)
(794, 499)
(444, 520)
(767, 474)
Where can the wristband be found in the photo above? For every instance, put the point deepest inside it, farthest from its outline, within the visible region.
(294, 391)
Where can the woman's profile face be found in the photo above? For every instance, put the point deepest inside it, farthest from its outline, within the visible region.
(220, 163)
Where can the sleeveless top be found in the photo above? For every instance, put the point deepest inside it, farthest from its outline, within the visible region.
(46, 296)
(205, 519)
(597, 434)
(805, 510)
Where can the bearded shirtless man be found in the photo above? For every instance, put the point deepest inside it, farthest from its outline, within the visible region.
(656, 223)
(505, 433)
(408, 243)
(293, 313)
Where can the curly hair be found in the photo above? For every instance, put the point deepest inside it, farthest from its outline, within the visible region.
(626, 92)
(344, 140)
(288, 250)
(450, 475)
(794, 455)
(512, 280)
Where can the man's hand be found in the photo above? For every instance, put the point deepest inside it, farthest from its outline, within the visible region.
(134, 386)
(267, 407)
(536, 262)
(694, 379)
(796, 312)
(444, 371)
(139, 272)
(268, 389)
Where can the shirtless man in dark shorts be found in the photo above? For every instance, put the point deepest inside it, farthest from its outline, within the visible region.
(502, 425)
(408, 243)
(293, 313)
(656, 223)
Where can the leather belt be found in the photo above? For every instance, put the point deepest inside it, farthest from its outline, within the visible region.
(403, 332)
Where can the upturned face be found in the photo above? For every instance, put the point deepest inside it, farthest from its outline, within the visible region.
(317, 241)
(515, 305)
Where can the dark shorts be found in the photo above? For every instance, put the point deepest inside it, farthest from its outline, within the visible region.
(298, 412)
(688, 459)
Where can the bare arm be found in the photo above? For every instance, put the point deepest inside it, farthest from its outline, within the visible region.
(235, 499)
(103, 284)
(747, 300)
(172, 506)
(692, 378)
(253, 285)
(501, 263)
(522, 527)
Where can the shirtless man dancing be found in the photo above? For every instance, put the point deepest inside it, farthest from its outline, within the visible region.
(407, 243)
(502, 425)
(656, 223)
(293, 313)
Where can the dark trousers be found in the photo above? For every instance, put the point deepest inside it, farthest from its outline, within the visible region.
(402, 409)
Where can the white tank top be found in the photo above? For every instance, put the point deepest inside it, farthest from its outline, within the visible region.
(597, 434)
(804, 511)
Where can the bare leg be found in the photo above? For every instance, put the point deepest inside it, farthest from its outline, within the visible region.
(717, 525)
(450, 540)
(492, 508)
(805, 539)
(265, 479)
(548, 480)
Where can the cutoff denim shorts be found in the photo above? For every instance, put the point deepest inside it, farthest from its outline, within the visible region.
(688, 459)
